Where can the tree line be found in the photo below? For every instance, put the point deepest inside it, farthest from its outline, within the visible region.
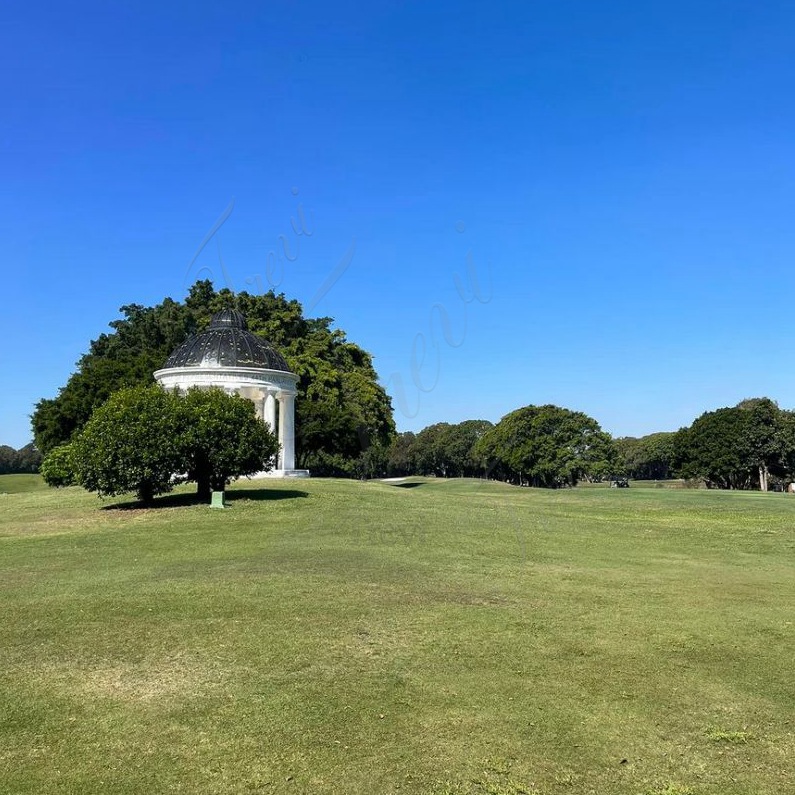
(747, 446)
(545, 446)
(25, 460)
(345, 425)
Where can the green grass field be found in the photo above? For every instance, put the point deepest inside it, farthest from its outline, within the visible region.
(446, 637)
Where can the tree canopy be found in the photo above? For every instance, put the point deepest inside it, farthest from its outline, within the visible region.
(547, 446)
(646, 458)
(740, 447)
(222, 438)
(341, 409)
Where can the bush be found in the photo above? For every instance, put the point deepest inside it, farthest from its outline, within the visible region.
(58, 467)
(132, 443)
(223, 439)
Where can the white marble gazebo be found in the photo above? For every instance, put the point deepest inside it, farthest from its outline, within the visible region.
(227, 355)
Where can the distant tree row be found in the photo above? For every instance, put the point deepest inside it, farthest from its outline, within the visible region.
(544, 446)
(26, 459)
(747, 446)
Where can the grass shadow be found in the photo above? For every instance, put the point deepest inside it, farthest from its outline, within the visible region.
(164, 501)
(411, 485)
(265, 494)
(167, 501)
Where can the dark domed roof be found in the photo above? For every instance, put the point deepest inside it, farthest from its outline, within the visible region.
(226, 342)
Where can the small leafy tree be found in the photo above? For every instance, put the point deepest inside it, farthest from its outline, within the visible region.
(223, 438)
(58, 467)
(134, 442)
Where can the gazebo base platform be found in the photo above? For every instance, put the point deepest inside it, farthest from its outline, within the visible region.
(281, 473)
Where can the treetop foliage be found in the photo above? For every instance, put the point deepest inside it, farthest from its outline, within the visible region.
(547, 446)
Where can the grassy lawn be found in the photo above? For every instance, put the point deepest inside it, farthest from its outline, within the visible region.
(446, 637)
(16, 484)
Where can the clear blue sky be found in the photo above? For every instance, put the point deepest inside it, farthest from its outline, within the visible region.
(619, 175)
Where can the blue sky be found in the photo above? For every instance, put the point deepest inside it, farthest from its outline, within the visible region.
(616, 179)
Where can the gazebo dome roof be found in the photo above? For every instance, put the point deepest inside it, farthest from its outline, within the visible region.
(227, 342)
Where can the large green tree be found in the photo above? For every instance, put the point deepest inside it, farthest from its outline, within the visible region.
(547, 446)
(341, 408)
(763, 443)
(739, 447)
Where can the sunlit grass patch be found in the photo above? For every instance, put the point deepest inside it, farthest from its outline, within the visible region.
(723, 736)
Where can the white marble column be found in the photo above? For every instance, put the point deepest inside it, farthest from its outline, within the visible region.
(269, 411)
(287, 430)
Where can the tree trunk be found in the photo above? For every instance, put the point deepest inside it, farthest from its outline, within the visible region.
(146, 493)
(763, 477)
(203, 487)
